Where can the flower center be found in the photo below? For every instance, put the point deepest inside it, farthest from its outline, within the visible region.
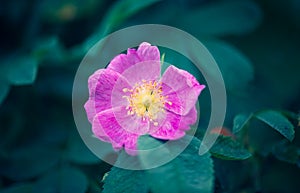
(146, 100)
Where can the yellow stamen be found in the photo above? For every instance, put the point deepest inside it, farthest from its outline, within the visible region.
(146, 100)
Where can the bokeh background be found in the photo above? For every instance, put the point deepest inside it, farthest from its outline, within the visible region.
(255, 43)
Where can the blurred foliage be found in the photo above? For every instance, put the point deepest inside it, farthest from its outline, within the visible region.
(255, 44)
(188, 172)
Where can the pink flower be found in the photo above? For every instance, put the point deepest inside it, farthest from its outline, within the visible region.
(129, 99)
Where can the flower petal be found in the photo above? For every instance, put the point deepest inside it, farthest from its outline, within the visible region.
(123, 61)
(188, 120)
(173, 126)
(131, 123)
(102, 85)
(145, 52)
(121, 131)
(168, 129)
(143, 71)
(182, 90)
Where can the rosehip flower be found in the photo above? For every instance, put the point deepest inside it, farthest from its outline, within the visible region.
(129, 99)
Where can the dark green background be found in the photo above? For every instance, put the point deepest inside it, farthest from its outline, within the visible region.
(255, 43)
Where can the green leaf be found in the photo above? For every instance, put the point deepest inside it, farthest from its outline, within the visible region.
(29, 162)
(77, 151)
(18, 188)
(116, 15)
(63, 181)
(237, 70)
(125, 181)
(287, 152)
(155, 153)
(146, 142)
(262, 138)
(121, 11)
(19, 70)
(222, 18)
(239, 123)
(4, 89)
(229, 149)
(188, 172)
(49, 50)
(278, 122)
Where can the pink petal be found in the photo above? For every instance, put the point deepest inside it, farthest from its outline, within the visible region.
(173, 126)
(102, 85)
(145, 52)
(109, 129)
(143, 71)
(123, 61)
(182, 90)
(168, 129)
(189, 119)
(130, 123)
